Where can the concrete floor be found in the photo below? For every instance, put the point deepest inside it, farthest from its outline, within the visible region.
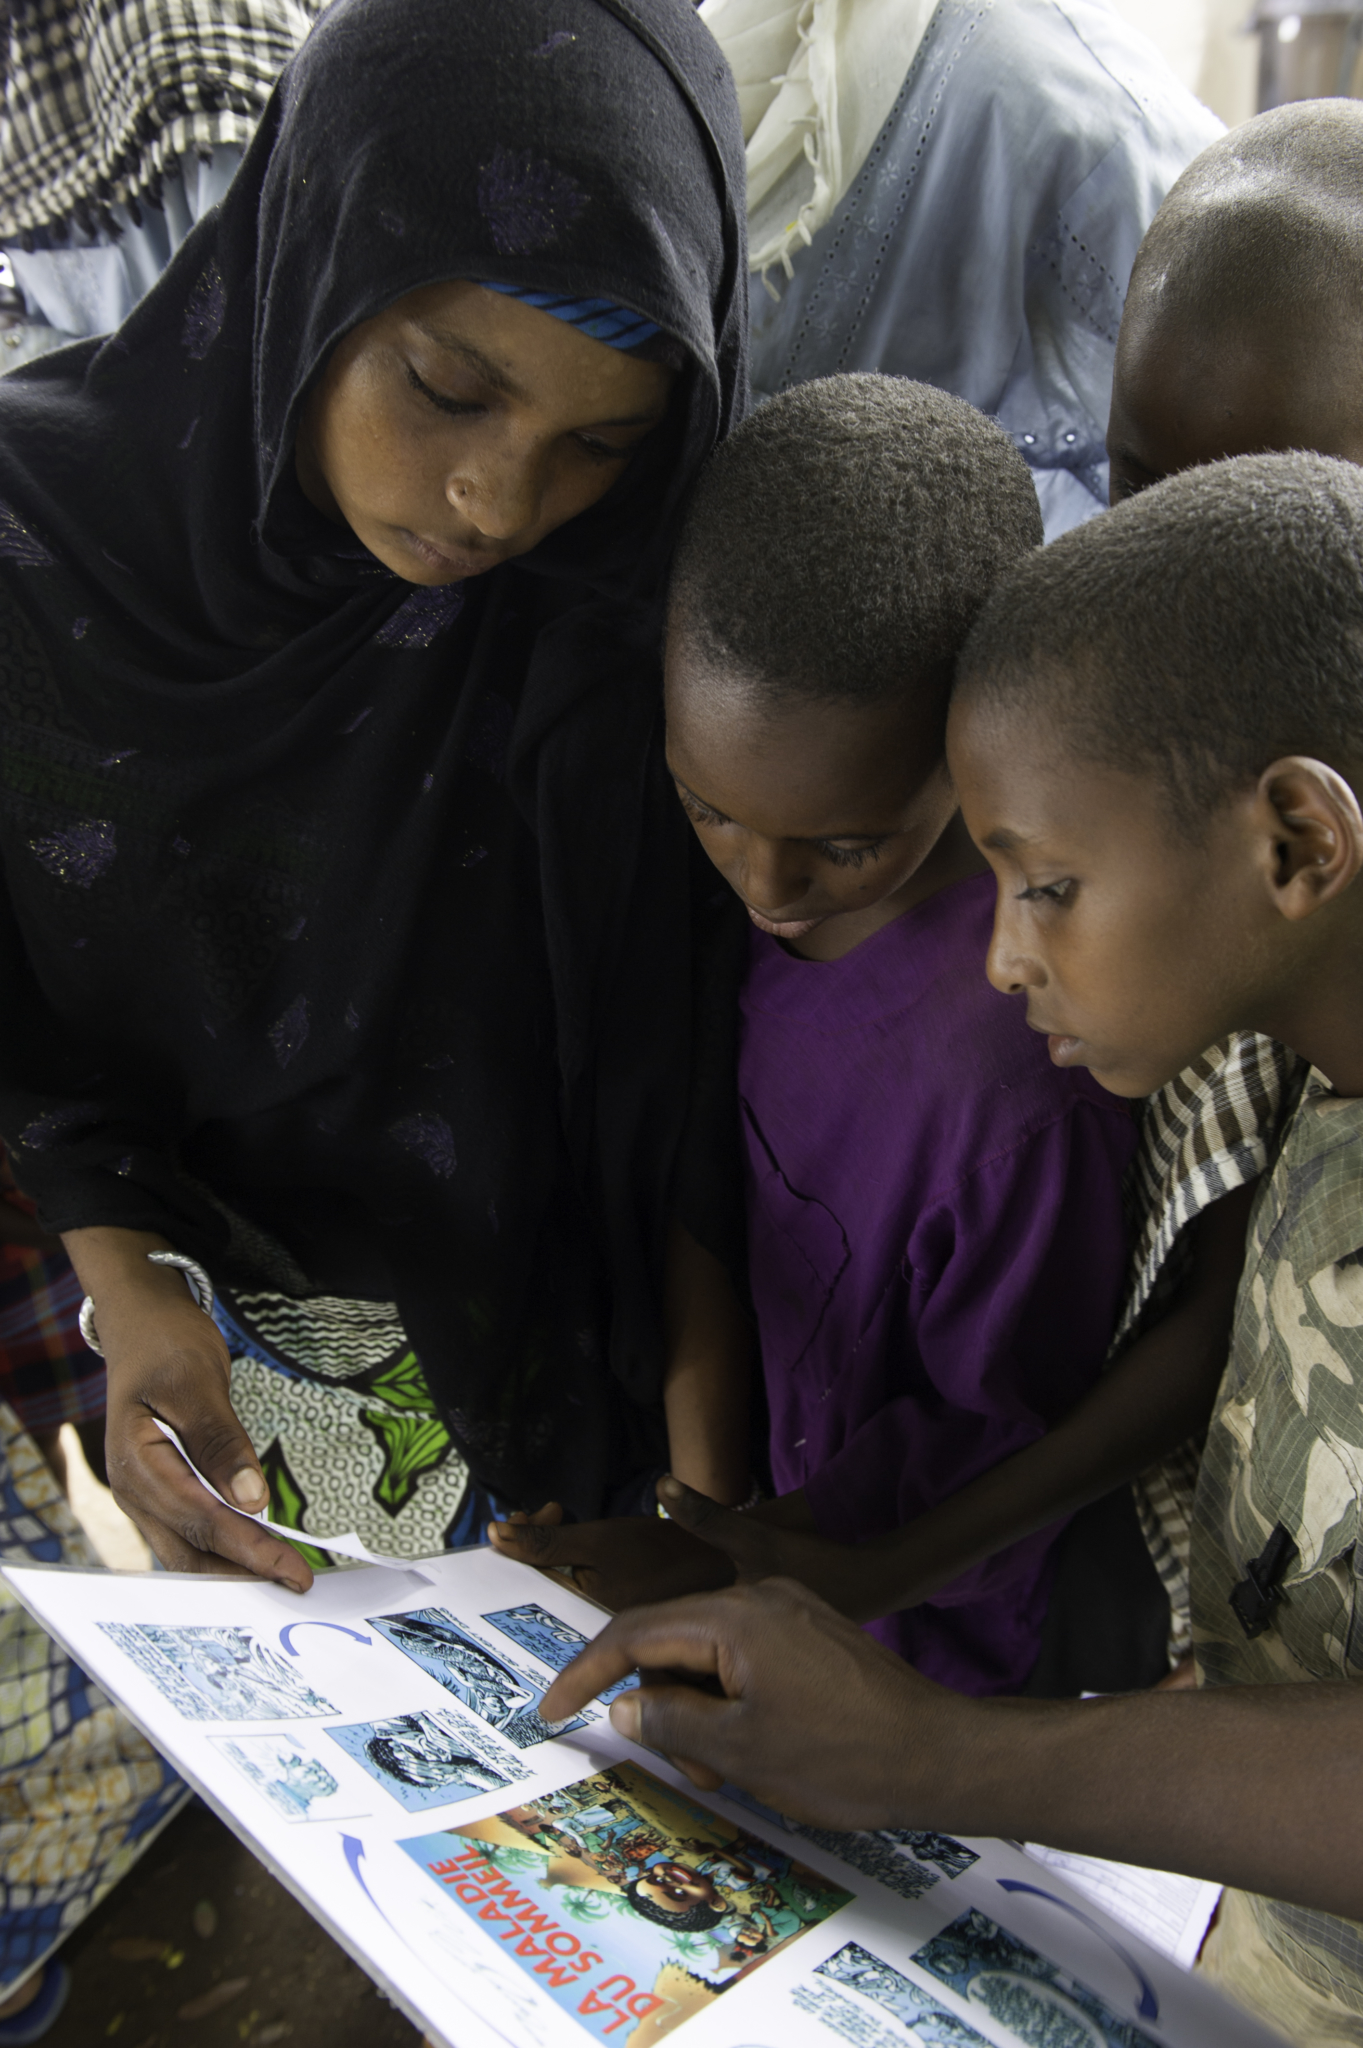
(199, 1947)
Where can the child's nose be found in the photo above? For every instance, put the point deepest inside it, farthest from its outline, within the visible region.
(773, 877)
(503, 497)
(1010, 969)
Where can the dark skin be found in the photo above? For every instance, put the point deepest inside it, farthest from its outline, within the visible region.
(1188, 389)
(828, 823)
(451, 432)
(1134, 949)
(1158, 1395)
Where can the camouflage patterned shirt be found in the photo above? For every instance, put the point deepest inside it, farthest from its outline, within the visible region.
(1279, 1496)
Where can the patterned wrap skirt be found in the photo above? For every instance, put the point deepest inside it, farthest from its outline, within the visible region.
(334, 1400)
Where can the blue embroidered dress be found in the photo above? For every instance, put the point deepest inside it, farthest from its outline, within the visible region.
(986, 242)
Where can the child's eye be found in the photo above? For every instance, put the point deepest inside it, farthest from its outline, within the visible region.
(601, 451)
(848, 856)
(457, 406)
(1047, 892)
(699, 813)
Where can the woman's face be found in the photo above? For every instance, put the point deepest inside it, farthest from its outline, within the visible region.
(459, 427)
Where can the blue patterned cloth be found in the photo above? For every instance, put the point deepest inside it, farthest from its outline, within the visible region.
(602, 319)
(82, 1794)
(985, 244)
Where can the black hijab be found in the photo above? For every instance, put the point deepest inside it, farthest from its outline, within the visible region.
(351, 928)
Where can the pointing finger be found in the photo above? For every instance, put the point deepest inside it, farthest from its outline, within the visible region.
(693, 1728)
(679, 1635)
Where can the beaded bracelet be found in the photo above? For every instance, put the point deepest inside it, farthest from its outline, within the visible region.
(196, 1280)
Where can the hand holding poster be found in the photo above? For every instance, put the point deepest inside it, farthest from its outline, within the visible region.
(509, 1885)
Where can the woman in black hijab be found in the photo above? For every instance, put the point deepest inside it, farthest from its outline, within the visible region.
(350, 934)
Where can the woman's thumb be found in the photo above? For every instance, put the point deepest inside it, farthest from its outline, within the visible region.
(218, 1447)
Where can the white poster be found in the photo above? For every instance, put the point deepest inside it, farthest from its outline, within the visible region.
(375, 1741)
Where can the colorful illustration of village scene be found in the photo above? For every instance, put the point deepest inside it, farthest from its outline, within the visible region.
(634, 1907)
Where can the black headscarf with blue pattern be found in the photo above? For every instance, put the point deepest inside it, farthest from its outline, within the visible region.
(350, 926)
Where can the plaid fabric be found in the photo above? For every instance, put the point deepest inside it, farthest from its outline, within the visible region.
(100, 96)
(48, 1373)
(82, 1794)
(1210, 1131)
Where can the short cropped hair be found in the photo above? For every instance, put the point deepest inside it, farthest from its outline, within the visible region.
(1194, 634)
(839, 544)
(1265, 224)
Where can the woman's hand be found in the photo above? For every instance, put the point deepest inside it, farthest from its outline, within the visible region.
(813, 1716)
(620, 1562)
(166, 1358)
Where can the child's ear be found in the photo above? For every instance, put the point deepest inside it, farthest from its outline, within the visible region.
(1313, 834)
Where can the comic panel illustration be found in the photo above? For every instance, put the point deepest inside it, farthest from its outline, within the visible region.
(873, 1855)
(424, 1760)
(489, 1683)
(289, 1776)
(555, 1642)
(857, 1969)
(850, 2022)
(627, 1901)
(990, 1967)
(217, 1674)
(952, 1858)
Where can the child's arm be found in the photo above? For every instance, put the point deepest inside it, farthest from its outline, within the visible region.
(706, 1395)
(707, 1380)
(1158, 1394)
(1255, 1786)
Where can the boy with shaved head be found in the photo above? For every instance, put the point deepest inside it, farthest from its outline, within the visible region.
(1157, 741)
(1242, 334)
(1243, 328)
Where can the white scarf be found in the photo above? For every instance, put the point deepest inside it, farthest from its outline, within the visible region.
(816, 80)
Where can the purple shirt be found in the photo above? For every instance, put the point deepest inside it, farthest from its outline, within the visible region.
(937, 1248)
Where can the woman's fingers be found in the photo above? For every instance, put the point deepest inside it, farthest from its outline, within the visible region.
(191, 1393)
(186, 1528)
(169, 1361)
(209, 1537)
(176, 1555)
